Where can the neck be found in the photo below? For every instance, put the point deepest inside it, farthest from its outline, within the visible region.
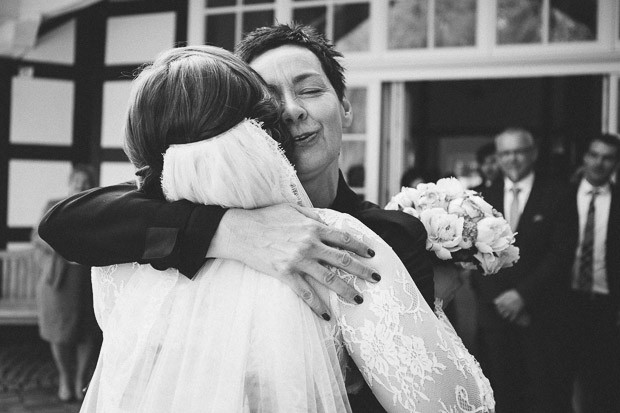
(322, 189)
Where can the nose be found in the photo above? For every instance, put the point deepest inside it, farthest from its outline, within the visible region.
(292, 110)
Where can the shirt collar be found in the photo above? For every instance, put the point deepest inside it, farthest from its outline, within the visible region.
(586, 187)
(524, 184)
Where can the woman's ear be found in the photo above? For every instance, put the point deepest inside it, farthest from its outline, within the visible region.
(347, 114)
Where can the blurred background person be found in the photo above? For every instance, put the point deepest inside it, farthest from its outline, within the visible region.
(65, 303)
(522, 323)
(595, 285)
(487, 166)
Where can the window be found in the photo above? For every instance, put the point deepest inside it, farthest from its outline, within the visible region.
(346, 23)
(416, 24)
(227, 20)
(545, 21)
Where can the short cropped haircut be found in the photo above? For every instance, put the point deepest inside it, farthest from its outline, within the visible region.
(264, 39)
(608, 139)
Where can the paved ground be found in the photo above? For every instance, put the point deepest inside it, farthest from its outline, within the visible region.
(28, 378)
(39, 401)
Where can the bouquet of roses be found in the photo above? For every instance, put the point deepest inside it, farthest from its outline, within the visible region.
(461, 225)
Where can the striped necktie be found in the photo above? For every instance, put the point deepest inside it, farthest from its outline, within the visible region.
(586, 269)
(514, 208)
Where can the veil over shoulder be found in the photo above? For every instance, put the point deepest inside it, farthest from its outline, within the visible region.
(235, 340)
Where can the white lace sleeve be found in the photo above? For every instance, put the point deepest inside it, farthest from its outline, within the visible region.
(412, 359)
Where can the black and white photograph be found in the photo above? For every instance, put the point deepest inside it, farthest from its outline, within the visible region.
(310, 206)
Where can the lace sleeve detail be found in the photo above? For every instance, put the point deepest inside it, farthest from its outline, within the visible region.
(412, 359)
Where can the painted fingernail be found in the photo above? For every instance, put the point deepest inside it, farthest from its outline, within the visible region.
(326, 316)
(371, 253)
(358, 299)
(376, 276)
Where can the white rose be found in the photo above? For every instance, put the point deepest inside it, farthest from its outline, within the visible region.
(411, 211)
(451, 187)
(494, 235)
(492, 263)
(430, 197)
(445, 231)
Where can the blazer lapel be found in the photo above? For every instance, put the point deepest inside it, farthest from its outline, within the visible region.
(532, 206)
(613, 244)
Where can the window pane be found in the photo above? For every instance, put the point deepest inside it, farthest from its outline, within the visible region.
(221, 30)
(257, 2)
(407, 24)
(351, 26)
(255, 19)
(220, 3)
(519, 21)
(352, 159)
(455, 23)
(571, 22)
(357, 97)
(313, 16)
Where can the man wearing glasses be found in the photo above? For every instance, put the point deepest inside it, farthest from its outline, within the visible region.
(521, 319)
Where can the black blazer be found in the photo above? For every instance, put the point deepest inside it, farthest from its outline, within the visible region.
(612, 244)
(546, 237)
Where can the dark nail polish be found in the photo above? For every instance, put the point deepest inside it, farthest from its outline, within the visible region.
(371, 253)
(376, 276)
(326, 316)
(358, 299)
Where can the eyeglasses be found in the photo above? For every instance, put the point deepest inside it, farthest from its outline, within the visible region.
(516, 152)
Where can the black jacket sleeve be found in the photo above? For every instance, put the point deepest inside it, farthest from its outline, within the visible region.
(119, 224)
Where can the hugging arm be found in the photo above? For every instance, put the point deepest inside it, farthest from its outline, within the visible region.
(411, 359)
(119, 224)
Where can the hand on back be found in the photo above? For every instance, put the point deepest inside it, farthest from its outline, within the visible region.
(290, 243)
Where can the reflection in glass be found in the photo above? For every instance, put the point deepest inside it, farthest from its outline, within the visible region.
(572, 21)
(351, 162)
(407, 24)
(519, 21)
(220, 3)
(351, 26)
(313, 16)
(221, 30)
(357, 98)
(255, 19)
(455, 23)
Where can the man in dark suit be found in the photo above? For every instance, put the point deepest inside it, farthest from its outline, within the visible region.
(121, 224)
(521, 319)
(595, 283)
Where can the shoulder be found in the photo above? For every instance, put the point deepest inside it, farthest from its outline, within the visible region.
(393, 223)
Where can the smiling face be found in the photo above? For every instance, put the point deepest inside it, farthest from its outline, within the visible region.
(310, 107)
(516, 154)
(599, 162)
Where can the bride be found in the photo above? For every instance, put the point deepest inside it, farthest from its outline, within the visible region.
(200, 127)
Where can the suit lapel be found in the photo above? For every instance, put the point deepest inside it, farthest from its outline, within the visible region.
(613, 243)
(534, 201)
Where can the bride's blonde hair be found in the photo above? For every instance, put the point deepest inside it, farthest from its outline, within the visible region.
(190, 94)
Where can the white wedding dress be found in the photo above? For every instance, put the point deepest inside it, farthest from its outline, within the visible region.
(235, 340)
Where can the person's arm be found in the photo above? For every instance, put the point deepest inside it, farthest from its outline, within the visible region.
(119, 224)
(411, 359)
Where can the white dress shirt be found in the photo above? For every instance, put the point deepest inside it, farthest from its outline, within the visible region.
(602, 204)
(525, 187)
